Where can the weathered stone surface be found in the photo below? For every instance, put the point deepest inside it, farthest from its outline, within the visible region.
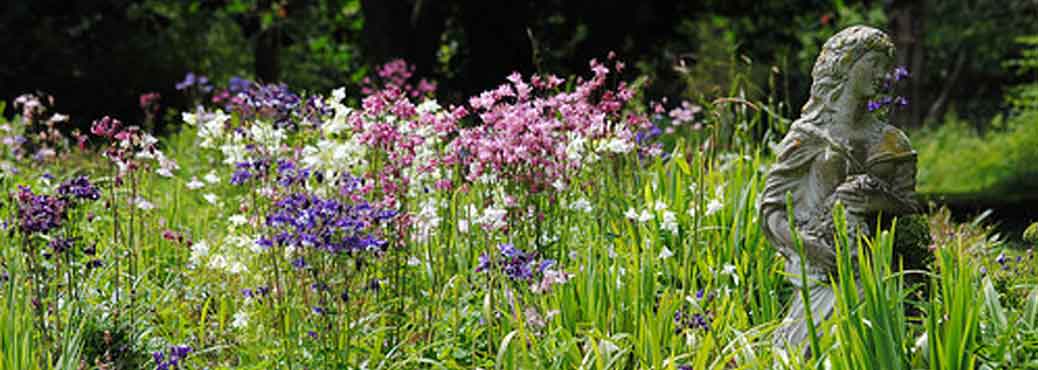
(839, 150)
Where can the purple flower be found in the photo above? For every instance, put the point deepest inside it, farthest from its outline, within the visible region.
(176, 355)
(38, 213)
(60, 245)
(900, 73)
(193, 80)
(189, 80)
(78, 188)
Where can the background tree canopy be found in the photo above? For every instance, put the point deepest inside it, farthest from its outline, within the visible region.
(96, 57)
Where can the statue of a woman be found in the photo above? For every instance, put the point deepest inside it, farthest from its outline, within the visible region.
(839, 150)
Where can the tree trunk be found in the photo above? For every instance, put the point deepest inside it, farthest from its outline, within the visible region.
(268, 51)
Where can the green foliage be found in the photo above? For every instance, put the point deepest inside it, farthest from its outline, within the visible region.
(871, 327)
(1025, 97)
(1031, 234)
(954, 159)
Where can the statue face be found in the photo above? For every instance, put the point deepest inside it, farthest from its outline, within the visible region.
(868, 74)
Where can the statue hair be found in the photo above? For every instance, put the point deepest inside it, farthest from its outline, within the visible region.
(833, 66)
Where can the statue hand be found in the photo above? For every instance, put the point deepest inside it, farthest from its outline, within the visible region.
(866, 193)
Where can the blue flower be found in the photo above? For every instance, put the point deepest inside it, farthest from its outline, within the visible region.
(39, 213)
(78, 188)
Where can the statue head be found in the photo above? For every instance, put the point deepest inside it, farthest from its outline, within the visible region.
(833, 69)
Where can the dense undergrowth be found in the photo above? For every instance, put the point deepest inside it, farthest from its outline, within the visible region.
(1000, 161)
(548, 224)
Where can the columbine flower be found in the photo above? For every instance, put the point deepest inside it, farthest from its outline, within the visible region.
(143, 204)
(199, 250)
(581, 205)
(713, 207)
(38, 213)
(241, 319)
(493, 219)
(631, 214)
(238, 220)
(194, 184)
(78, 188)
(645, 216)
(211, 177)
(670, 222)
(176, 355)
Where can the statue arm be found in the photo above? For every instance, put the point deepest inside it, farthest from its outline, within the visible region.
(792, 173)
(818, 252)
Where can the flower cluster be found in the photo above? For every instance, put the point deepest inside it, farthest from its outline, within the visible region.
(128, 145)
(521, 266)
(274, 102)
(536, 141)
(39, 213)
(696, 318)
(78, 188)
(176, 355)
(887, 97)
(36, 133)
(306, 220)
(395, 77)
(191, 80)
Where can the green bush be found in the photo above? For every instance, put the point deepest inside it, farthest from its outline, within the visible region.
(954, 159)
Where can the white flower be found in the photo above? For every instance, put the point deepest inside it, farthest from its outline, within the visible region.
(238, 220)
(427, 220)
(241, 320)
(267, 135)
(194, 184)
(164, 172)
(218, 262)
(631, 214)
(413, 261)
(234, 153)
(581, 205)
(617, 145)
(334, 155)
(463, 226)
(211, 198)
(338, 95)
(428, 106)
(211, 177)
(670, 222)
(210, 126)
(143, 204)
(645, 216)
(237, 267)
(729, 269)
(199, 250)
(575, 148)
(559, 185)
(713, 207)
(660, 205)
(493, 218)
(665, 253)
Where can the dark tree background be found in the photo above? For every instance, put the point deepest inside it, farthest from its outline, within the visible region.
(96, 56)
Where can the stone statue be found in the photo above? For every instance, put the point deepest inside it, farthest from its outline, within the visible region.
(840, 149)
